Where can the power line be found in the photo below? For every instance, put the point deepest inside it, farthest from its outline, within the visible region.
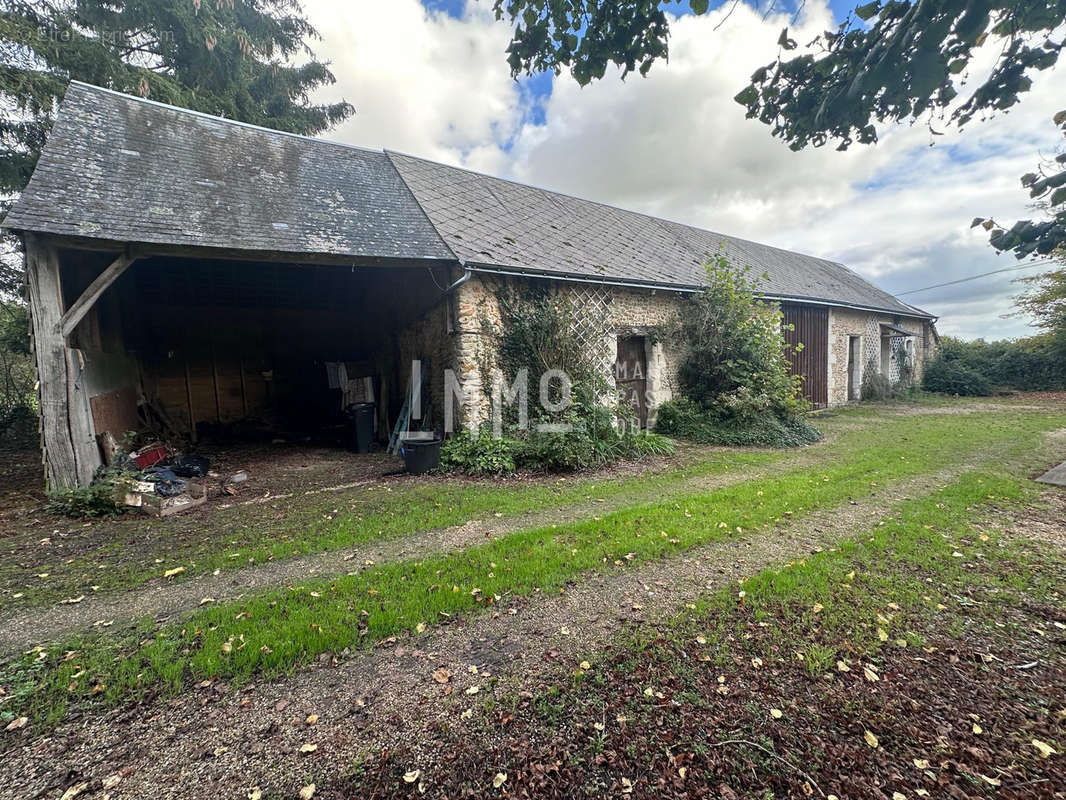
(975, 277)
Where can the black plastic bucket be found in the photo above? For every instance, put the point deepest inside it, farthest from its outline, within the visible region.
(361, 420)
(420, 455)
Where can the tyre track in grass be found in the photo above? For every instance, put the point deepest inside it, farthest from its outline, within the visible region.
(211, 742)
(164, 600)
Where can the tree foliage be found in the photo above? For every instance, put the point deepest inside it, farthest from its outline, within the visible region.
(233, 58)
(1047, 188)
(889, 61)
(899, 60)
(585, 36)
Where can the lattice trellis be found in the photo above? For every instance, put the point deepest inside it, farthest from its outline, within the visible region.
(896, 352)
(590, 323)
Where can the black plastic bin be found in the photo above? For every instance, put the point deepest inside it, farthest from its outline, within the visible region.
(361, 421)
(420, 455)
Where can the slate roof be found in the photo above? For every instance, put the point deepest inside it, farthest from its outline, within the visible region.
(126, 169)
(495, 223)
(121, 168)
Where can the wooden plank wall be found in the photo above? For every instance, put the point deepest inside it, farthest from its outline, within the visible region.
(811, 327)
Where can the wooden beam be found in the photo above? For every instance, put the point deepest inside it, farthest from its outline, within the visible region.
(67, 441)
(103, 281)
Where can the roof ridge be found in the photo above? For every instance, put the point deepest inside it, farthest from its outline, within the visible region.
(192, 112)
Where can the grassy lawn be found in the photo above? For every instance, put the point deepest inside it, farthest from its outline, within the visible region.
(114, 555)
(924, 658)
(127, 552)
(277, 630)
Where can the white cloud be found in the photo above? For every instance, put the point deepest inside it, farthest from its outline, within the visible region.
(676, 145)
(421, 82)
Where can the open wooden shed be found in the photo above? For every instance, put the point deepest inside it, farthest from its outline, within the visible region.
(201, 272)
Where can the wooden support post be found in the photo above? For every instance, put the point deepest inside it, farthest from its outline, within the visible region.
(188, 400)
(67, 442)
(103, 281)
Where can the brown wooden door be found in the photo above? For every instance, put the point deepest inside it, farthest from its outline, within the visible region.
(810, 327)
(631, 370)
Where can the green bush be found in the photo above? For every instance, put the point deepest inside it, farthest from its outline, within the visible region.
(954, 377)
(98, 500)
(734, 358)
(485, 454)
(479, 455)
(1032, 364)
(684, 419)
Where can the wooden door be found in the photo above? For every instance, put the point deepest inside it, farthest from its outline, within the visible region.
(631, 370)
(809, 328)
(854, 367)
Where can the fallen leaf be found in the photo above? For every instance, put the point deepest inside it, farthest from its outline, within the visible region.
(75, 790)
(842, 667)
(817, 607)
(921, 763)
(111, 781)
(18, 722)
(978, 729)
(585, 665)
(441, 675)
(473, 690)
(870, 675)
(1044, 748)
(311, 719)
(898, 796)
(776, 713)
(499, 780)
(412, 775)
(170, 573)
(870, 739)
(308, 748)
(627, 786)
(307, 792)
(255, 793)
(991, 781)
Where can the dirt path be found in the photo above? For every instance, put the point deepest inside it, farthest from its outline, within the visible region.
(212, 742)
(27, 627)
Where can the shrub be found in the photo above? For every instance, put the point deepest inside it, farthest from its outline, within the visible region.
(953, 377)
(479, 455)
(733, 353)
(685, 419)
(1031, 364)
(98, 500)
(735, 381)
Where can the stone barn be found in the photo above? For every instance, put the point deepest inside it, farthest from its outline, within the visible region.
(195, 275)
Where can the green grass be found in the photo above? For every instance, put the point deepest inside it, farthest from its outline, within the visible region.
(139, 550)
(133, 552)
(278, 630)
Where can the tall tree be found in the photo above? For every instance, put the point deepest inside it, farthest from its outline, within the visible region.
(235, 58)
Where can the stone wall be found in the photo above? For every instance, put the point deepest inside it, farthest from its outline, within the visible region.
(640, 312)
(621, 312)
(845, 323)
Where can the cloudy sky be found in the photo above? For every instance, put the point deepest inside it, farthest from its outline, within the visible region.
(430, 78)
